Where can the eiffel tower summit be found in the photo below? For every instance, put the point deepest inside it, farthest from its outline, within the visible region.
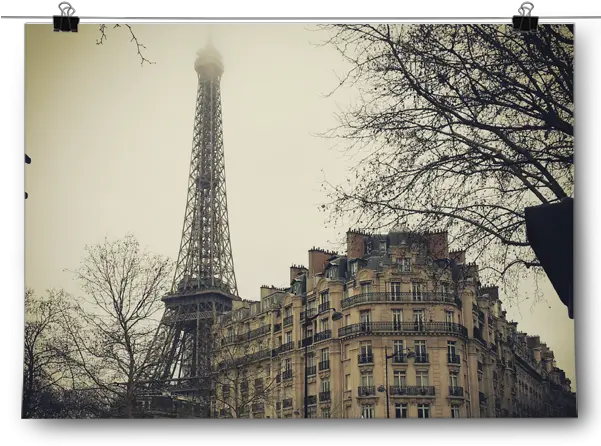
(204, 284)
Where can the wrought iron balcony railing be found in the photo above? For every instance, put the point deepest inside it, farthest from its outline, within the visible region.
(366, 391)
(285, 347)
(310, 313)
(288, 320)
(257, 332)
(324, 365)
(311, 370)
(412, 391)
(287, 374)
(324, 396)
(396, 297)
(323, 307)
(326, 334)
(422, 358)
(311, 400)
(455, 391)
(399, 358)
(365, 358)
(435, 328)
(307, 341)
(453, 359)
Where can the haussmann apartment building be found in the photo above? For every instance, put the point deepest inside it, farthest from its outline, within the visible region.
(398, 327)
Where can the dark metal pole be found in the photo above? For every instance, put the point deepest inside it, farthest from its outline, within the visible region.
(387, 403)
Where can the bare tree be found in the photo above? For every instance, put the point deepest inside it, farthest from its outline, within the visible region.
(458, 128)
(114, 322)
(243, 379)
(45, 370)
(140, 47)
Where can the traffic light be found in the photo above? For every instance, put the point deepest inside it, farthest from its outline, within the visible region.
(27, 161)
(550, 232)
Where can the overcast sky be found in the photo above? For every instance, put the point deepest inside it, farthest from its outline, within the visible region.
(110, 142)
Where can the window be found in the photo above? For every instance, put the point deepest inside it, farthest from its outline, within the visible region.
(311, 307)
(367, 411)
(444, 288)
(324, 300)
(421, 378)
(423, 411)
(332, 273)
(347, 320)
(288, 337)
(455, 412)
(325, 385)
(382, 245)
(451, 348)
(400, 410)
(311, 360)
(398, 347)
(448, 316)
(354, 267)
(418, 316)
(288, 311)
(287, 365)
(365, 316)
(397, 318)
(404, 264)
(324, 324)
(325, 354)
(312, 412)
(395, 290)
(453, 379)
(420, 349)
(345, 292)
(416, 291)
(347, 350)
(325, 413)
(347, 382)
(366, 349)
(366, 287)
(367, 379)
(399, 378)
(309, 331)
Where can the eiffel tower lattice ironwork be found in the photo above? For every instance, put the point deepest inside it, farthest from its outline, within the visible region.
(204, 284)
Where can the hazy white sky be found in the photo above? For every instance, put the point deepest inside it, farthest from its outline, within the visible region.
(110, 142)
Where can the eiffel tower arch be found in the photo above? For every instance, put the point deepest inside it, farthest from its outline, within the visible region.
(204, 283)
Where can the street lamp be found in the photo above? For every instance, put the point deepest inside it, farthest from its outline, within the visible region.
(308, 320)
(410, 354)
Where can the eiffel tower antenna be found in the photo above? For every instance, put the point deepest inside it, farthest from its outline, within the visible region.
(204, 284)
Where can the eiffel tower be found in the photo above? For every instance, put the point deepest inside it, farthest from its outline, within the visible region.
(204, 284)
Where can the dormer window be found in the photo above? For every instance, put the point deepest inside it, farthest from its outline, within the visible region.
(331, 273)
(404, 264)
(354, 267)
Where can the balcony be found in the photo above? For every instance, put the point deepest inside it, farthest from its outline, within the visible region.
(366, 391)
(310, 313)
(311, 370)
(412, 391)
(324, 396)
(323, 307)
(285, 347)
(365, 358)
(277, 328)
(326, 334)
(306, 342)
(312, 400)
(455, 392)
(478, 336)
(324, 365)
(287, 374)
(422, 358)
(396, 297)
(257, 332)
(288, 320)
(387, 328)
(287, 403)
(399, 358)
(453, 359)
